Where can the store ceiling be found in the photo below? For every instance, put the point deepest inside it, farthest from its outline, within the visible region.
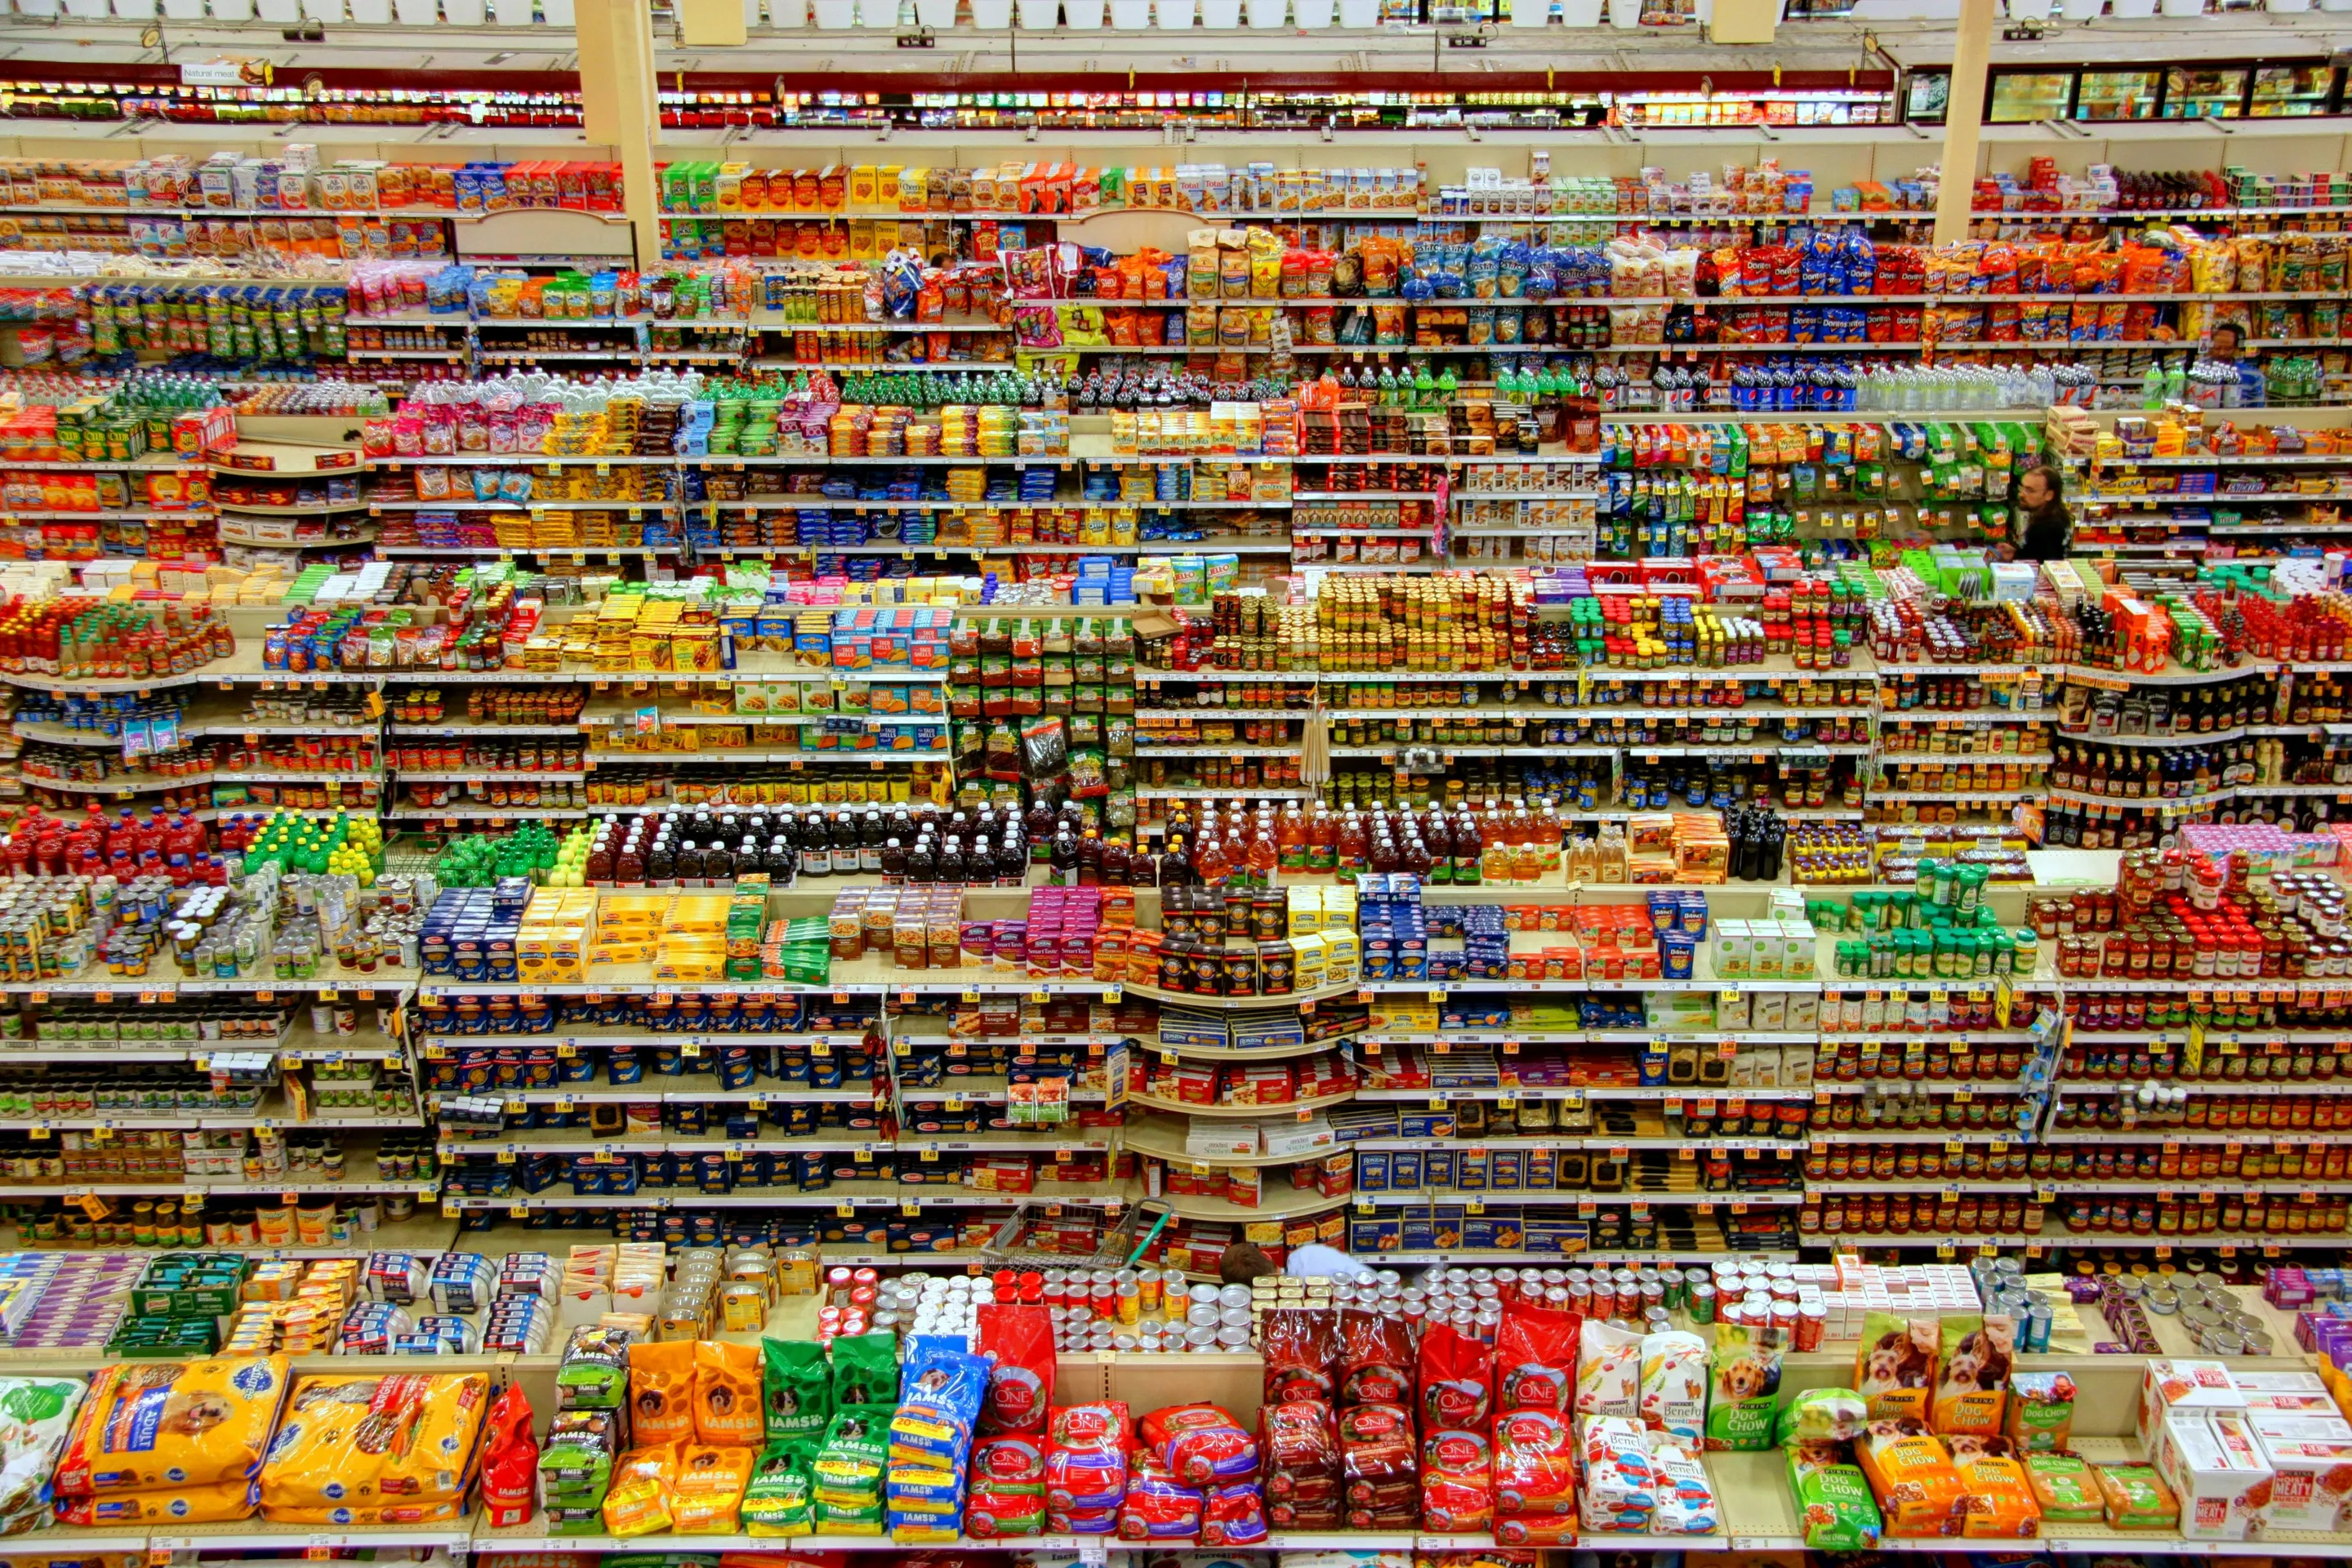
(1221, 58)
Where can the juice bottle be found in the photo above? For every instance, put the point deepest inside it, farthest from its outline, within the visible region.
(1351, 845)
(1322, 839)
(1290, 838)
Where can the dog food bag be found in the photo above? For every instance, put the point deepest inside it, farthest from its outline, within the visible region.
(848, 1466)
(1233, 1516)
(796, 1391)
(1687, 1503)
(1457, 1380)
(1823, 1415)
(2041, 1416)
(1201, 1445)
(1535, 1360)
(1300, 1346)
(779, 1499)
(644, 1482)
(37, 1416)
(728, 1397)
(1018, 1343)
(940, 1407)
(1086, 1468)
(1457, 1483)
(2137, 1497)
(992, 1512)
(1996, 1498)
(866, 1369)
(1376, 1363)
(1835, 1510)
(1619, 1487)
(711, 1481)
(1608, 1370)
(1298, 1454)
(356, 1443)
(1972, 1373)
(1743, 1392)
(1674, 1384)
(1158, 1507)
(1895, 1369)
(214, 1504)
(661, 1393)
(1912, 1475)
(1379, 1460)
(509, 1458)
(152, 1425)
(2065, 1488)
(1535, 1473)
(595, 1371)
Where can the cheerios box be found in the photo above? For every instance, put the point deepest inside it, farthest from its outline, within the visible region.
(2170, 1384)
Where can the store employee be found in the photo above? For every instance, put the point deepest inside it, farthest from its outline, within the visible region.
(2043, 525)
(2224, 343)
(1244, 1261)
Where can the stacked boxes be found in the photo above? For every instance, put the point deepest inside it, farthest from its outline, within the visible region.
(472, 934)
(552, 938)
(894, 637)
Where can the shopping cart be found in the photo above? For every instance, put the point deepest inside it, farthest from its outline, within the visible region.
(1120, 1245)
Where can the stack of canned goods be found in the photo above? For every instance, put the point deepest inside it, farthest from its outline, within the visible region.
(852, 1296)
(2000, 1285)
(920, 1303)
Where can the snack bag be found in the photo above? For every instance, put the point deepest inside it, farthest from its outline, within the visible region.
(1535, 1360)
(2040, 1418)
(1674, 1384)
(796, 1391)
(1619, 1487)
(1300, 1346)
(1376, 1360)
(1457, 1380)
(712, 1482)
(1912, 1473)
(37, 1416)
(1686, 1504)
(728, 1398)
(1743, 1393)
(661, 1393)
(779, 1499)
(1996, 1499)
(866, 1369)
(1018, 1343)
(644, 1481)
(1823, 1415)
(1608, 1369)
(2065, 1488)
(153, 1425)
(1895, 1369)
(1201, 1445)
(1972, 1373)
(1835, 1510)
(1457, 1483)
(509, 1458)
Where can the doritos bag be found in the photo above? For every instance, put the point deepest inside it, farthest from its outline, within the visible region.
(1535, 1360)
(1457, 1380)
(1018, 1342)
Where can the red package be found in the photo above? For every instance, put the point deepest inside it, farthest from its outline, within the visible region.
(1457, 1380)
(1535, 1455)
(1085, 1457)
(1157, 1507)
(1375, 1359)
(1301, 1348)
(1201, 1445)
(509, 1458)
(1535, 1360)
(1298, 1449)
(1233, 1516)
(1457, 1483)
(1019, 1341)
(1376, 1446)
(1014, 1459)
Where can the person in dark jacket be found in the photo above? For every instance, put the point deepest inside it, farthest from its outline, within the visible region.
(2044, 526)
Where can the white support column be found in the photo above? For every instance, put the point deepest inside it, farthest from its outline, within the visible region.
(618, 104)
(1963, 119)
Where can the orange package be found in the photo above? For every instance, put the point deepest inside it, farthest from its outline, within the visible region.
(1997, 1504)
(1918, 1490)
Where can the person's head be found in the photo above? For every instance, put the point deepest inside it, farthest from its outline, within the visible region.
(2225, 342)
(2038, 488)
(1242, 1262)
